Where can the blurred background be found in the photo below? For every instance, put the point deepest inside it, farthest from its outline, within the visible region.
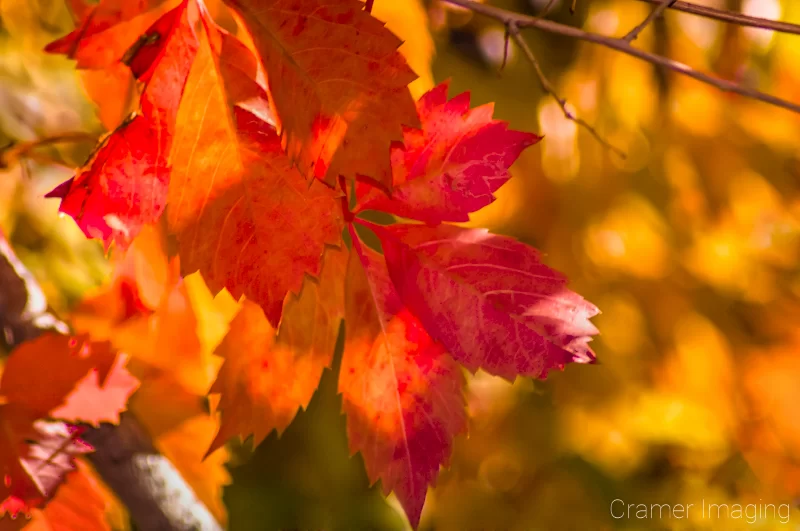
(690, 247)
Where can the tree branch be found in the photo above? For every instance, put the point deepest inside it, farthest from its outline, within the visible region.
(513, 31)
(156, 495)
(525, 21)
(731, 17)
(654, 14)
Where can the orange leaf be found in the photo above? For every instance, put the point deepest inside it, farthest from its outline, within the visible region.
(265, 379)
(242, 215)
(338, 84)
(79, 379)
(80, 503)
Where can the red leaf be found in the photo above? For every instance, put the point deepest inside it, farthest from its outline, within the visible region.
(338, 85)
(108, 30)
(35, 457)
(401, 391)
(243, 216)
(58, 377)
(451, 166)
(79, 503)
(488, 299)
(265, 379)
(124, 186)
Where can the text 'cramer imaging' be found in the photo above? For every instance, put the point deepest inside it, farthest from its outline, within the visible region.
(750, 513)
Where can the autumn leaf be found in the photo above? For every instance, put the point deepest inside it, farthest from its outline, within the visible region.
(401, 391)
(408, 19)
(266, 377)
(80, 503)
(124, 185)
(338, 84)
(107, 31)
(243, 216)
(452, 165)
(36, 457)
(141, 278)
(83, 381)
(488, 298)
(54, 376)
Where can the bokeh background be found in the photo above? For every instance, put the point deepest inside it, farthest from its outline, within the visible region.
(690, 247)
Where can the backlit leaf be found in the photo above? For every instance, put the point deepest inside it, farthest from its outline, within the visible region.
(489, 299)
(452, 165)
(243, 216)
(401, 391)
(266, 378)
(338, 85)
(124, 185)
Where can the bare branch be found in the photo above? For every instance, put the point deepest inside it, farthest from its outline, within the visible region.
(513, 30)
(731, 17)
(654, 14)
(523, 21)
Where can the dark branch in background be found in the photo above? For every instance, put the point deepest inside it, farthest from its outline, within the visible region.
(516, 21)
(731, 17)
(156, 495)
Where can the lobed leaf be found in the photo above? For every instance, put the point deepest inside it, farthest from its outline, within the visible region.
(243, 216)
(53, 376)
(266, 378)
(452, 165)
(338, 84)
(489, 299)
(124, 185)
(402, 393)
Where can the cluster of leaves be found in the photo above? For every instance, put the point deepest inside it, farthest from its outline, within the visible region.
(51, 388)
(263, 151)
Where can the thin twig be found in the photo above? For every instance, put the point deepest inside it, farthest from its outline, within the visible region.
(546, 10)
(506, 37)
(522, 21)
(731, 17)
(572, 7)
(654, 14)
(513, 30)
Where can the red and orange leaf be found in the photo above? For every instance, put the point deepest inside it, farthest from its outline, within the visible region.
(49, 373)
(124, 186)
(402, 393)
(142, 277)
(53, 376)
(266, 378)
(35, 456)
(79, 503)
(450, 167)
(107, 31)
(489, 299)
(338, 84)
(113, 393)
(113, 91)
(243, 216)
